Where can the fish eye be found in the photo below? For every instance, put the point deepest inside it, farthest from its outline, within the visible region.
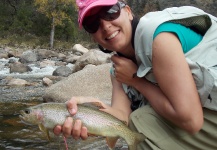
(27, 111)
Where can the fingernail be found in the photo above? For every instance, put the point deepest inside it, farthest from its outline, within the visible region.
(72, 111)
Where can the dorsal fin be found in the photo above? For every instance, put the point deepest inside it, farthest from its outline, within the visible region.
(124, 122)
(95, 105)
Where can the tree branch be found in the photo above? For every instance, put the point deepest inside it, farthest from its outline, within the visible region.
(12, 5)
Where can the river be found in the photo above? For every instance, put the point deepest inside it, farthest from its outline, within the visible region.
(15, 135)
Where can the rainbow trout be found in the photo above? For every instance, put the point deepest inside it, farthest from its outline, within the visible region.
(99, 123)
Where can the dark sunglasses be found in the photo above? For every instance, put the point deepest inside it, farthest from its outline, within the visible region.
(91, 23)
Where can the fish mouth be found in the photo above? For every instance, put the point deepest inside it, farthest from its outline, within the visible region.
(22, 118)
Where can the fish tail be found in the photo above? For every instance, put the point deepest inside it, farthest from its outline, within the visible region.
(138, 138)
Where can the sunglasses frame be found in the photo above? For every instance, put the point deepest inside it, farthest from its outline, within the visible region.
(109, 13)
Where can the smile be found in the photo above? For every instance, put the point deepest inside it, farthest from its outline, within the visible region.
(113, 35)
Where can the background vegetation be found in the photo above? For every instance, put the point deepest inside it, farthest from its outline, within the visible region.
(30, 23)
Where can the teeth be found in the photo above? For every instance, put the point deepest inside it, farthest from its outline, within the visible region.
(113, 35)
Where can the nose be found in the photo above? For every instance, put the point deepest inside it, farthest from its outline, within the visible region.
(105, 25)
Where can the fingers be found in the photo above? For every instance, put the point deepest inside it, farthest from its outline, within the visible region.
(57, 130)
(72, 106)
(75, 128)
(74, 101)
(115, 58)
(84, 134)
(77, 131)
(67, 127)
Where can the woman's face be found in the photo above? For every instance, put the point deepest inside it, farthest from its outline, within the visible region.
(116, 35)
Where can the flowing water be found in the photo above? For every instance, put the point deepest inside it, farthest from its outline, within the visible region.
(15, 135)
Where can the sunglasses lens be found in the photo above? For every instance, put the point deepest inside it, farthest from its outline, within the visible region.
(110, 13)
(91, 23)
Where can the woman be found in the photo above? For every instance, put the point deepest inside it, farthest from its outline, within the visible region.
(161, 70)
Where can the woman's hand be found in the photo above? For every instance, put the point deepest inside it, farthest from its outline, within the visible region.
(124, 69)
(77, 130)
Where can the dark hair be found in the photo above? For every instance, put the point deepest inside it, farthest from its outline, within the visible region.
(104, 49)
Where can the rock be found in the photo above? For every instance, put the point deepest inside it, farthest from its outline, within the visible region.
(94, 57)
(46, 63)
(63, 71)
(89, 66)
(47, 82)
(4, 55)
(12, 60)
(14, 53)
(61, 56)
(72, 59)
(44, 54)
(28, 57)
(19, 68)
(60, 63)
(11, 54)
(56, 78)
(78, 48)
(18, 82)
(92, 81)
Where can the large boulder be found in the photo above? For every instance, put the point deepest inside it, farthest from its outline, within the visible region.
(63, 71)
(44, 54)
(46, 63)
(72, 58)
(28, 57)
(94, 57)
(18, 67)
(18, 82)
(3, 56)
(79, 49)
(92, 81)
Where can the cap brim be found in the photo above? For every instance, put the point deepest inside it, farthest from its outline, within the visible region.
(92, 5)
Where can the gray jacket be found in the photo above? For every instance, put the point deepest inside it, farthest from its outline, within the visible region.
(202, 59)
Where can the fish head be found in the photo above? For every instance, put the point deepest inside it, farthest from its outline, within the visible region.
(31, 115)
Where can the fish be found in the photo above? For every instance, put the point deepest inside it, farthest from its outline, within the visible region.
(98, 123)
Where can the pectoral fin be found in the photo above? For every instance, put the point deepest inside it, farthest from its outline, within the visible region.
(132, 147)
(111, 141)
(43, 129)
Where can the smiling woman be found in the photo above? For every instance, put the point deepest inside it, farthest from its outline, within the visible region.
(163, 73)
(91, 22)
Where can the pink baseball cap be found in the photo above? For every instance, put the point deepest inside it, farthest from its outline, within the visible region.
(86, 5)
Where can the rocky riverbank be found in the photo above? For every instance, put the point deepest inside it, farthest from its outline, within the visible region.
(24, 73)
(31, 78)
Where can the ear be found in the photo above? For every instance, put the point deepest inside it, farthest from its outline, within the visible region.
(129, 12)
